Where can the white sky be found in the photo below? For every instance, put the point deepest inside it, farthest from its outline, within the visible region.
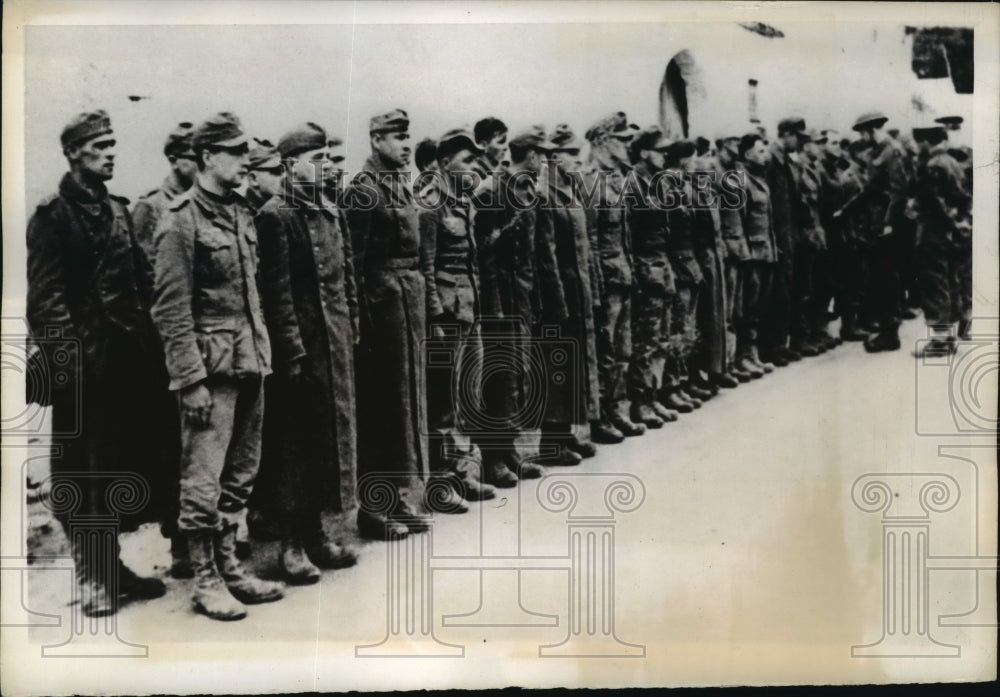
(274, 77)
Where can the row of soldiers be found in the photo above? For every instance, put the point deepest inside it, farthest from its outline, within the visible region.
(407, 338)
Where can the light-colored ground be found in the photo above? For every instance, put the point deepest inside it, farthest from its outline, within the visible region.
(747, 561)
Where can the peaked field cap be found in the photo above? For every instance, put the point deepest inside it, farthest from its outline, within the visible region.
(85, 126)
(263, 155)
(395, 121)
(564, 139)
(870, 119)
(793, 124)
(223, 130)
(534, 137)
(179, 140)
(303, 138)
(924, 130)
(950, 120)
(651, 138)
(457, 139)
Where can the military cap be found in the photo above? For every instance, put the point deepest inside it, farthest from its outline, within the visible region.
(948, 120)
(564, 139)
(85, 126)
(811, 135)
(680, 148)
(334, 141)
(932, 131)
(425, 154)
(793, 124)
(396, 121)
(223, 130)
(534, 138)
(651, 138)
(747, 142)
(263, 155)
(303, 138)
(457, 139)
(179, 140)
(870, 119)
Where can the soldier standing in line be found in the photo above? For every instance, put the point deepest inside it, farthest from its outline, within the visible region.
(309, 462)
(757, 222)
(505, 224)
(207, 310)
(491, 137)
(654, 279)
(450, 264)
(562, 226)
(688, 280)
(880, 206)
(730, 172)
(607, 216)
(774, 330)
(147, 210)
(89, 288)
(808, 334)
(708, 362)
(265, 174)
(840, 281)
(382, 215)
(943, 213)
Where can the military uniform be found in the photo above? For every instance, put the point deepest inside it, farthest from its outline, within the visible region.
(382, 215)
(208, 313)
(449, 263)
(757, 222)
(654, 292)
(309, 461)
(944, 240)
(149, 209)
(807, 317)
(89, 289)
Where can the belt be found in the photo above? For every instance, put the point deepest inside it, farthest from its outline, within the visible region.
(402, 263)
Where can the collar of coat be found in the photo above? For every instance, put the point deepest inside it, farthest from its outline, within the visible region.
(91, 203)
(312, 203)
(212, 205)
(394, 182)
(172, 186)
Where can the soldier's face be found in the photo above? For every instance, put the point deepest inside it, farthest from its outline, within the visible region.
(308, 167)
(268, 181)
(833, 149)
(394, 148)
(567, 161)
(496, 148)
(335, 163)
(758, 154)
(95, 158)
(655, 159)
(184, 166)
(228, 165)
(458, 165)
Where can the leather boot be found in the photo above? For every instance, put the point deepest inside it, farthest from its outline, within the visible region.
(690, 398)
(527, 470)
(725, 380)
(849, 329)
(324, 552)
(755, 359)
(180, 565)
(496, 472)
(740, 374)
(605, 433)
(378, 526)
(581, 444)
(211, 595)
(750, 368)
(296, 568)
(698, 393)
(95, 599)
(964, 329)
(475, 490)
(675, 401)
(408, 515)
(666, 415)
(244, 587)
(774, 357)
(882, 342)
(441, 495)
(136, 587)
(642, 412)
(804, 348)
(619, 419)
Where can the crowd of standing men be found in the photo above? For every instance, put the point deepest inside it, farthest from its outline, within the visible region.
(374, 352)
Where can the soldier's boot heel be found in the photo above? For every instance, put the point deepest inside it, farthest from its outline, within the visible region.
(296, 567)
(211, 596)
(180, 564)
(768, 368)
(643, 413)
(244, 587)
(138, 587)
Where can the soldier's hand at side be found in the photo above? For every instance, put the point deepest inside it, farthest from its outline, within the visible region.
(196, 402)
(294, 373)
(437, 331)
(887, 230)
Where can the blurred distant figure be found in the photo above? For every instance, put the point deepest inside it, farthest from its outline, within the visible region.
(265, 174)
(425, 156)
(148, 209)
